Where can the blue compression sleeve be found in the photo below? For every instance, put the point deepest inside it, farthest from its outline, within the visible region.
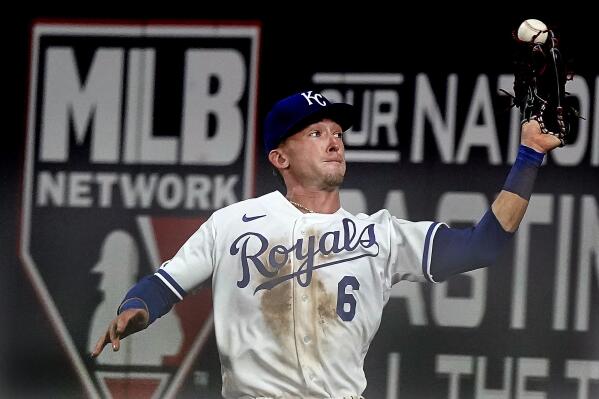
(460, 250)
(522, 176)
(152, 294)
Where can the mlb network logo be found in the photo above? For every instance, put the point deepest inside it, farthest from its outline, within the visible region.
(136, 133)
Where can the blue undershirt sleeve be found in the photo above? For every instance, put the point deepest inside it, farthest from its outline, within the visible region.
(152, 294)
(457, 251)
(461, 250)
(523, 174)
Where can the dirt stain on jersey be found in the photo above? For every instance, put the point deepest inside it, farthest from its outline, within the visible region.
(324, 303)
(277, 305)
(277, 308)
(325, 306)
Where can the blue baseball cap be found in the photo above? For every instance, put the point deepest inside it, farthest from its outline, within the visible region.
(290, 115)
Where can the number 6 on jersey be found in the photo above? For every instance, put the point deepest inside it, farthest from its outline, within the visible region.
(346, 302)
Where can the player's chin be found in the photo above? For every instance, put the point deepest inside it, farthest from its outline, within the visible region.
(334, 180)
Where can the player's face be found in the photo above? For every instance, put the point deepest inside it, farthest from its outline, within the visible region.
(316, 155)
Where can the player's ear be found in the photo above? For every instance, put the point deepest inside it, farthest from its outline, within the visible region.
(278, 159)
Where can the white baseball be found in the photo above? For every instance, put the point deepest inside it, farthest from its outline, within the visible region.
(531, 28)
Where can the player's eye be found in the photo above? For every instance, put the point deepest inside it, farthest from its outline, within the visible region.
(338, 135)
(314, 133)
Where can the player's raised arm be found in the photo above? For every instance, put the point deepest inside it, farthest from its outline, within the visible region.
(512, 201)
(460, 250)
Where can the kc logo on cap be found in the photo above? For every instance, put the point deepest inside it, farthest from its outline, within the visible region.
(316, 97)
(291, 114)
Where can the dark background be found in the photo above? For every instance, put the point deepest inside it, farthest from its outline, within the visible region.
(300, 40)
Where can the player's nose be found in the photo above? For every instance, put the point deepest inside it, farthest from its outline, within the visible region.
(334, 144)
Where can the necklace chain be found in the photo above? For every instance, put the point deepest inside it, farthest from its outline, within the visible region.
(300, 206)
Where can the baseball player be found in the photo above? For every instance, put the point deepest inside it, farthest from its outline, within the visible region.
(299, 283)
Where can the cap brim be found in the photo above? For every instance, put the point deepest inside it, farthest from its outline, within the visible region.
(343, 114)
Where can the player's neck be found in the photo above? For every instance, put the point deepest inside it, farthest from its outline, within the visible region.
(317, 201)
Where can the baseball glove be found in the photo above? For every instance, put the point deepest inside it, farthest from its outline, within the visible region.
(540, 78)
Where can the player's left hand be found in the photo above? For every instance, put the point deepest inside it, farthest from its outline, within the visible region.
(532, 137)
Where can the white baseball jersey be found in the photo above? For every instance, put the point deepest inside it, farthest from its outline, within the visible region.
(298, 297)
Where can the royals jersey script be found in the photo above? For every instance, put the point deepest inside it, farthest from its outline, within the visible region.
(298, 297)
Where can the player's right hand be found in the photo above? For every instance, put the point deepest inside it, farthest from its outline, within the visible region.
(127, 323)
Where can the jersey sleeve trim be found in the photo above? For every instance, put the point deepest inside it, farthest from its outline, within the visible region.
(428, 251)
(170, 283)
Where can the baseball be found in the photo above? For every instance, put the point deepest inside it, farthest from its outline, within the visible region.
(529, 30)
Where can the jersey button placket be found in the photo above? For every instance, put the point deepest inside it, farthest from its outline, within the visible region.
(304, 314)
(300, 303)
